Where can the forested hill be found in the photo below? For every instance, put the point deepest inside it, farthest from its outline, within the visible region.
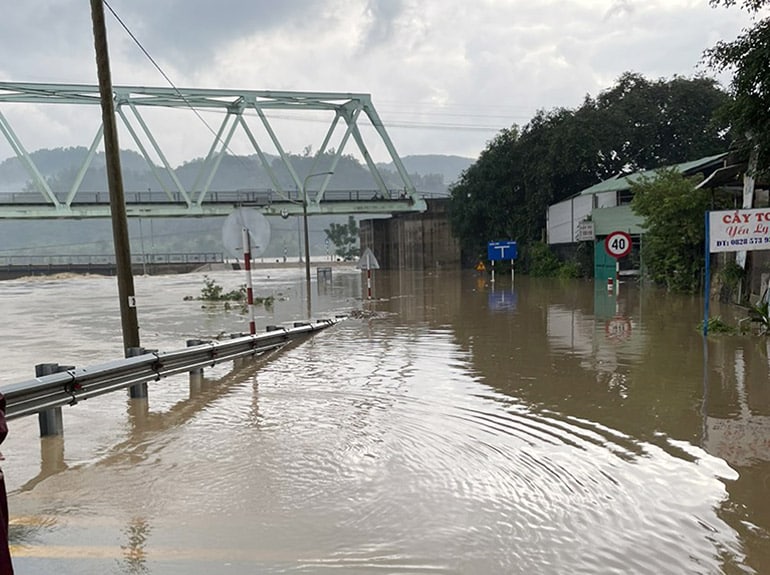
(430, 173)
(450, 167)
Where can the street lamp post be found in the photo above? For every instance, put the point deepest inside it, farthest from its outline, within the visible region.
(304, 218)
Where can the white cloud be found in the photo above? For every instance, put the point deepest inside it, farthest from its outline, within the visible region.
(430, 65)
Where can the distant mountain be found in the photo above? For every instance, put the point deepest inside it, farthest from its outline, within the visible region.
(60, 167)
(448, 166)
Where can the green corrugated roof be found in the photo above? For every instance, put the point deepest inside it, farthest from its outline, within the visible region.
(617, 219)
(619, 183)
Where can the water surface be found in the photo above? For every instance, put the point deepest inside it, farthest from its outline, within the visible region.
(466, 427)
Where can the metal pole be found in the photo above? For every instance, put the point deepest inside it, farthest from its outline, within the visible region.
(126, 293)
(307, 237)
(249, 282)
(707, 279)
(141, 247)
(369, 283)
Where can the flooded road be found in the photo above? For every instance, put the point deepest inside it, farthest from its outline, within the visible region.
(465, 428)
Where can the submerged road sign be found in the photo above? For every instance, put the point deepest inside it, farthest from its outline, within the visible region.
(497, 251)
(618, 244)
(367, 261)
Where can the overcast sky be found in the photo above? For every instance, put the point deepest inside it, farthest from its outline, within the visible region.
(444, 75)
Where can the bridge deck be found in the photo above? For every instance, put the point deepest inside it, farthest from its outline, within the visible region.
(23, 205)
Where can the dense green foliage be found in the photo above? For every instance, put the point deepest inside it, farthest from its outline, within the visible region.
(672, 246)
(540, 261)
(637, 124)
(345, 238)
(213, 292)
(747, 57)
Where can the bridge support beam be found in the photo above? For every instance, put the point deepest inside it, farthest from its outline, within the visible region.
(421, 241)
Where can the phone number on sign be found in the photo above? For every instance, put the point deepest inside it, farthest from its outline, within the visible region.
(742, 242)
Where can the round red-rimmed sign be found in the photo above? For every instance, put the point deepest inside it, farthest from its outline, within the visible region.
(618, 328)
(618, 244)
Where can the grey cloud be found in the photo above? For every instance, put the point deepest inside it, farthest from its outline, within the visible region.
(383, 14)
(189, 31)
(185, 32)
(618, 8)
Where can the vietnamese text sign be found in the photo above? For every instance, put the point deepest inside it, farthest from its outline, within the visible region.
(739, 230)
(585, 231)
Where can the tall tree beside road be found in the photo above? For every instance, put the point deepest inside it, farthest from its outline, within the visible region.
(636, 124)
(483, 201)
(747, 57)
(672, 247)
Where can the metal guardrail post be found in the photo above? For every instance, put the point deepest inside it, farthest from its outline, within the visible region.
(196, 374)
(139, 390)
(50, 420)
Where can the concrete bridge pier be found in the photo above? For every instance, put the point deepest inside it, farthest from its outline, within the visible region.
(414, 241)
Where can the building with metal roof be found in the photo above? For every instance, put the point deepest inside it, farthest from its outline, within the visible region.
(604, 208)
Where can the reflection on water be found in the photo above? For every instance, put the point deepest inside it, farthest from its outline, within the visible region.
(541, 427)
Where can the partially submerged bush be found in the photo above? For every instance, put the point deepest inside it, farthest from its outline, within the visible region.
(718, 325)
(213, 292)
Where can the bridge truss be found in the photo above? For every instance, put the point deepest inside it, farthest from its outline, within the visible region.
(178, 200)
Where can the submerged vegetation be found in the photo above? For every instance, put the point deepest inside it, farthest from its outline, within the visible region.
(213, 292)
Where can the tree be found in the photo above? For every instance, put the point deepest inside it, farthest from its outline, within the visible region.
(672, 245)
(747, 56)
(482, 200)
(637, 124)
(344, 237)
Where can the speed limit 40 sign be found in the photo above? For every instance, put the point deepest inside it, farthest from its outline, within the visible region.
(618, 244)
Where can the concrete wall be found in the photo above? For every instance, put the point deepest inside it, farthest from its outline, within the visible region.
(413, 241)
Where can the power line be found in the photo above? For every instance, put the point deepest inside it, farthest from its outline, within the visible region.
(165, 76)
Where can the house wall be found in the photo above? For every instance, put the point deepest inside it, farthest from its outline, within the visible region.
(563, 219)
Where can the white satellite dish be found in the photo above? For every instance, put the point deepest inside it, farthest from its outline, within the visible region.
(232, 232)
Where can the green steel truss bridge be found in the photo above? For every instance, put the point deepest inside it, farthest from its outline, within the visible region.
(237, 107)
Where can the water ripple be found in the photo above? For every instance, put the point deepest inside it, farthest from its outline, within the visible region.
(395, 451)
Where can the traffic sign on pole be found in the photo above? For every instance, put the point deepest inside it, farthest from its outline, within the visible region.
(618, 244)
(502, 251)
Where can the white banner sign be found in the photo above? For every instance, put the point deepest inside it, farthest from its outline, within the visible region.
(739, 230)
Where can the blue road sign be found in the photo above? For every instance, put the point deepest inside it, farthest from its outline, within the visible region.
(497, 251)
(502, 301)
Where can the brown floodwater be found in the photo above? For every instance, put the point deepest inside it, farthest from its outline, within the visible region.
(465, 427)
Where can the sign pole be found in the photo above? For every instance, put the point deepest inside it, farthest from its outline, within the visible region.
(368, 283)
(493, 271)
(249, 282)
(707, 278)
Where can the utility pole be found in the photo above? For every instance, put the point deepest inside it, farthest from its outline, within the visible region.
(126, 294)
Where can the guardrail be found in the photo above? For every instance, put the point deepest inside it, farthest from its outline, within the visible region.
(50, 392)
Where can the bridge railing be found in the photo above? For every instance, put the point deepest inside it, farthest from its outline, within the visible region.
(252, 197)
(85, 260)
(70, 385)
